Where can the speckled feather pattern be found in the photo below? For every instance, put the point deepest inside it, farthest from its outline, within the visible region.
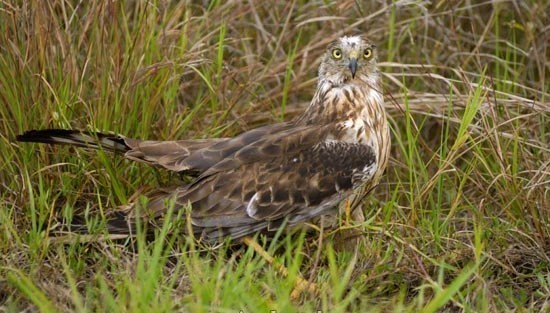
(285, 173)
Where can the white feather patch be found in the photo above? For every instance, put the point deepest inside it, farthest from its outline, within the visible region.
(251, 209)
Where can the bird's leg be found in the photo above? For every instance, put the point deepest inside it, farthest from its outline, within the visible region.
(300, 285)
(347, 211)
(347, 235)
(352, 213)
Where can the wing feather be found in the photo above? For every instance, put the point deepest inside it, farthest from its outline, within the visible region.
(258, 184)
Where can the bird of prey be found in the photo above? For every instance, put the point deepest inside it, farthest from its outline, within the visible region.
(280, 174)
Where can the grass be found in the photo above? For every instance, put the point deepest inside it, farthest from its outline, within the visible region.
(460, 222)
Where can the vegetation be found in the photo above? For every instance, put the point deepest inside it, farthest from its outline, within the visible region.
(460, 222)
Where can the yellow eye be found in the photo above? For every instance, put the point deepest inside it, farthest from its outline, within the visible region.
(337, 53)
(367, 53)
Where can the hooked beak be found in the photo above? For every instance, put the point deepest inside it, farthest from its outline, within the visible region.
(353, 67)
(353, 63)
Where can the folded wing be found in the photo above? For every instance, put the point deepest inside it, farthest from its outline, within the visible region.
(296, 174)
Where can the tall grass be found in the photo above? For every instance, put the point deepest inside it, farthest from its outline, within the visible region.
(460, 222)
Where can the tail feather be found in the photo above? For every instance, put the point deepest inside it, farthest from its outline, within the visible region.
(118, 226)
(86, 139)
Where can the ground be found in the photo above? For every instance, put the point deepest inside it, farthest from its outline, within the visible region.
(460, 222)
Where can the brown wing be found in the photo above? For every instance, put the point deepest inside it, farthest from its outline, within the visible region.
(207, 156)
(194, 155)
(294, 175)
(167, 154)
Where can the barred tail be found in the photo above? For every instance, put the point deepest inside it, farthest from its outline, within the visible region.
(86, 139)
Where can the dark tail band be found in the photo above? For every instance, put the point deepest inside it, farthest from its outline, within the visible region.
(77, 138)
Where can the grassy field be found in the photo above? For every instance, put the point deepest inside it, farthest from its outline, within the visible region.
(460, 222)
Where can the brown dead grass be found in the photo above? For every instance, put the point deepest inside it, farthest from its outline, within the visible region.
(134, 68)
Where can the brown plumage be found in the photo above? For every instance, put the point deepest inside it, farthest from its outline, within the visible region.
(289, 172)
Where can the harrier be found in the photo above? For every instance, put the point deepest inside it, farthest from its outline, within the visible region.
(279, 174)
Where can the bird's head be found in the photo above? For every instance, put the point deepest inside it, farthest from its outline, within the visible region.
(347, 59)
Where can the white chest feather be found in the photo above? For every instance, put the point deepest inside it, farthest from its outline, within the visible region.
(358, 131)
